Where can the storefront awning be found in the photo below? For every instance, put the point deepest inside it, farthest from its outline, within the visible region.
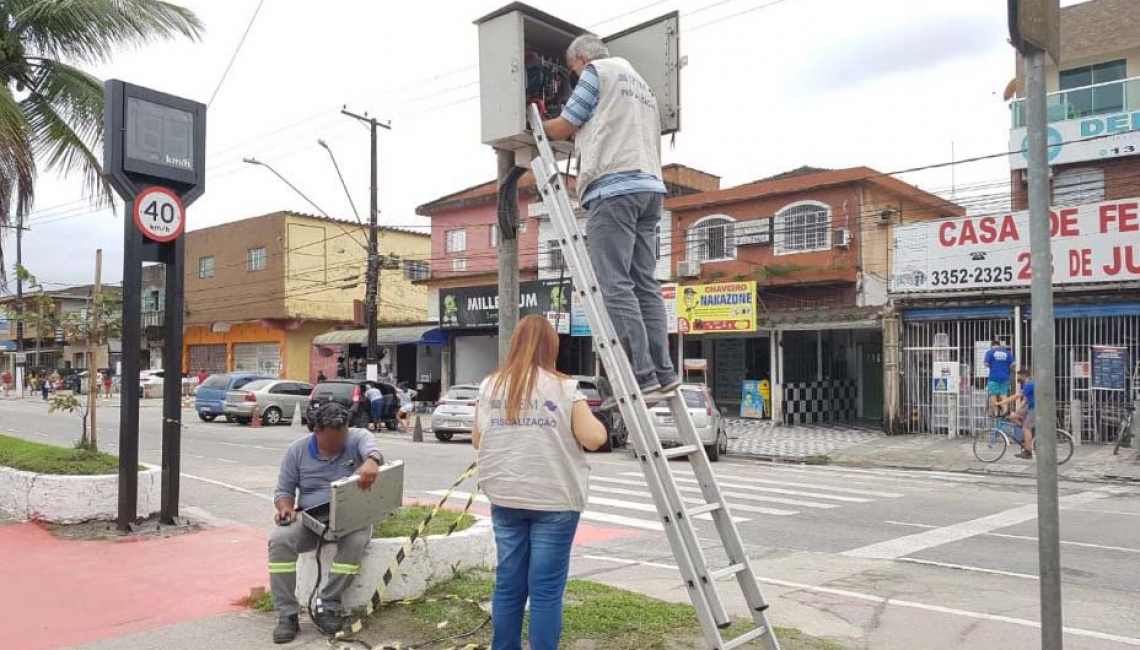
(384, 336)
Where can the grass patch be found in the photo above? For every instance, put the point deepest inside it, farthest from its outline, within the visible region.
(595, 616)
(409, 517)
(49, 459)
(259, 599)
(817, 459)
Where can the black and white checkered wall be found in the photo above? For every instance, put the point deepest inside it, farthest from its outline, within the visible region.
(820, 401)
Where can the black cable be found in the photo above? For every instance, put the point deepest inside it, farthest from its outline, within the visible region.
(316, 586)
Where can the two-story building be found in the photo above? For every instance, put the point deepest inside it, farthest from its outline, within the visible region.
(49, 343)
(462, 288)
(961, 283)
(817, 244)
(261, 292)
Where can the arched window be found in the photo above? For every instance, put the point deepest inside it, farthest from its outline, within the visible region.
(801, 227)
(712, 239)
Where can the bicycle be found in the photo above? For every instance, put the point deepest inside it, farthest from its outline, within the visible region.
(991, 447)
(1124, 434)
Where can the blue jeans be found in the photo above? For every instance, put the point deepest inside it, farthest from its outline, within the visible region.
(622, 234)
(534, 560)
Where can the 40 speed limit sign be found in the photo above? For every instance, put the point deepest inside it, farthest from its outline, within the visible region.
(159, 214)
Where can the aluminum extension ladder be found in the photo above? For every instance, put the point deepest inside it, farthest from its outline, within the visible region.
(676, 515)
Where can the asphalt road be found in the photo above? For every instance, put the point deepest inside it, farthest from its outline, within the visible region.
(884, 557)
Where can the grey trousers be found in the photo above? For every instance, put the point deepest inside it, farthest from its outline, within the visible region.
(622, 233)
(287, 542)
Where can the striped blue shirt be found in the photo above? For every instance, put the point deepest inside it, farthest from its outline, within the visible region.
(577, 111)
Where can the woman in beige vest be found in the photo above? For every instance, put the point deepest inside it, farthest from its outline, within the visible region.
(530, 429)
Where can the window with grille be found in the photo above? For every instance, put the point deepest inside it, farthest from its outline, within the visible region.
(416, 269)
(556, 261)
(1078, 186)
(712, 239)
(459, 264)
(494, 230)
(803, 227)
(456, 240)
(256, 259)
(206, 266)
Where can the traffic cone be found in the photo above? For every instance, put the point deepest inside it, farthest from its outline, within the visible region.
(418, 432)
(256, 421)
(298, 420)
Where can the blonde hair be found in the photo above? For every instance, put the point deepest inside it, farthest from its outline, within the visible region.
(534, 347)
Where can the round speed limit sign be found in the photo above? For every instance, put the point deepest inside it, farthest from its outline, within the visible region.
(159, 214)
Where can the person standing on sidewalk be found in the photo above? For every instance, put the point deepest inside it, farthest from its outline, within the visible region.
(531, 424)
(999, 360)
(332, 452)
(614, 119)
(6, 380)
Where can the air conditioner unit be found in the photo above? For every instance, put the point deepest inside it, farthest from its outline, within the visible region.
(689, 269)
(842, 237)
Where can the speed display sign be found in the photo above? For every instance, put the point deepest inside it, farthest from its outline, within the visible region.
(159, 214)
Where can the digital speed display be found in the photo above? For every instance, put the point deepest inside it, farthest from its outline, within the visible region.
(159, 135)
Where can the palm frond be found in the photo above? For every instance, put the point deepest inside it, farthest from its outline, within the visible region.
(17, 164)
(90, 30)
(64, 108)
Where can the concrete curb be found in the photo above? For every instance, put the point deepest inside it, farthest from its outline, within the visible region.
(433, 560)
(65, 499)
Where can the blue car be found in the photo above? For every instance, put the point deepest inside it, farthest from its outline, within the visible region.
(210, 399)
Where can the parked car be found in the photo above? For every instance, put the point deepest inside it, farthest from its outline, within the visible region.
(598, 390)
(210, 398)
(455, 412)
(154, 380)
(349, 393)
(275, 399)
(706, 418)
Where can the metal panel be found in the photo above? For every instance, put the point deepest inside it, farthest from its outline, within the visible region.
(211, 358)
(501, 80)
(653, 49)
(262, 358)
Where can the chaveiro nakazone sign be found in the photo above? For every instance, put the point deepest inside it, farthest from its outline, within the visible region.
(1096, 242)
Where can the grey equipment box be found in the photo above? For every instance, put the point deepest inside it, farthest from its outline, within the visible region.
(352, 509)
(507, 34)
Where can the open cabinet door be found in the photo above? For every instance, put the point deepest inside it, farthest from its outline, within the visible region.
(652, 49)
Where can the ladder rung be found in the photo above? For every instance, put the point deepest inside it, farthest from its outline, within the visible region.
(730, 570)
(750, 635)
(700, 510)
(684, 450)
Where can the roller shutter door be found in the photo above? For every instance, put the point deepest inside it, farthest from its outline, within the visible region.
(262, 358)
(210, 357)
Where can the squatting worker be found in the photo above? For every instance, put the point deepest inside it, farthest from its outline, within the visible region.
(613, 117)
(531, 424)
(332, 452)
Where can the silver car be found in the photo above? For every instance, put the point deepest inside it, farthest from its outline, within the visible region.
(276, 400)
(706, 418)
(455, 412)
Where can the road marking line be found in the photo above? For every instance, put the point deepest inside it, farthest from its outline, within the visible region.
(794, 493)
(749, 479)
(966, 567)
(743, 508)
(900, 473)
(734, 495)
(228, 486)
(939, 609)
(1104, 512)
(227, 460)
(1123, 549)
(603, 517)
(803, 470)
(906, 545)
(644, 507)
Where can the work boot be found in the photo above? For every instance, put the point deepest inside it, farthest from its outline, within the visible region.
(287, 629)
(329, 622)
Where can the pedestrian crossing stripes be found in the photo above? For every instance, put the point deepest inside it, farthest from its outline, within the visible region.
(623, 498)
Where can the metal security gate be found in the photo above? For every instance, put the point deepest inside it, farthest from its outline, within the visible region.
(934, 337)
(1092, 416)
(262, 358)
(211, 358)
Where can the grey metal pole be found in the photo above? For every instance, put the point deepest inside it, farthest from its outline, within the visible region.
(129, 389)
(508, 270)
(373, 283)
(1048, 518)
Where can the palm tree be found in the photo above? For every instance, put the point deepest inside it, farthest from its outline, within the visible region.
(51, 112)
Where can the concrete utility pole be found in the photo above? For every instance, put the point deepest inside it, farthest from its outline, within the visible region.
(508, 252)
(1041, 260)
(93, 350)
(373, 280)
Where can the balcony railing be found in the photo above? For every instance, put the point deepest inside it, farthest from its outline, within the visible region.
(154, 318)
(1075, 103)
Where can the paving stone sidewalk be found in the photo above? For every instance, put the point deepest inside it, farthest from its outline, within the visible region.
(869, 447)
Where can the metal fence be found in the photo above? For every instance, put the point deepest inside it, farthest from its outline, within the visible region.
(1092, 416)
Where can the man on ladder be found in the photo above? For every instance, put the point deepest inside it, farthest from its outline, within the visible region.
(613, 114)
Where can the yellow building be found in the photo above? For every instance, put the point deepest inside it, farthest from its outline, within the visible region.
(259, 290)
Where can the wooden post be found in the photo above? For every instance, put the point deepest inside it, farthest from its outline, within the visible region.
(93, 350)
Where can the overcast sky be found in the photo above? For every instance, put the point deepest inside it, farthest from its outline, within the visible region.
(890, 84)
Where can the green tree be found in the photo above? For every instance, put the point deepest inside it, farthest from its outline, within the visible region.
(51, 111)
